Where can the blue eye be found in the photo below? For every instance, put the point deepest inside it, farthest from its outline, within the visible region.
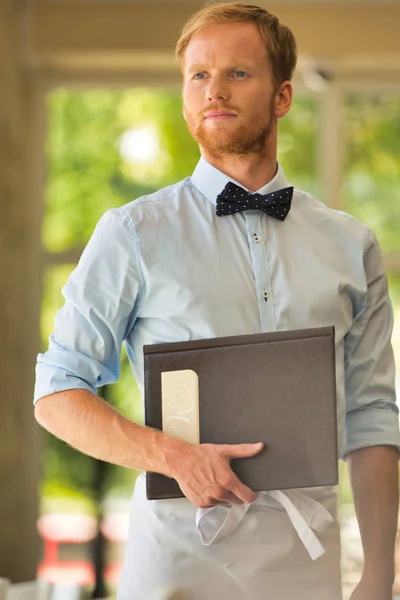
(198, 76)
(240, 74)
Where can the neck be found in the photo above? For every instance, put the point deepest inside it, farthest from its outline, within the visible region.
(251, 170)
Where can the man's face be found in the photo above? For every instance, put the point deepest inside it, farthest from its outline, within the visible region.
(228, 93)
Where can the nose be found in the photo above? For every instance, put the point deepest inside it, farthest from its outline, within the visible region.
(217, 89)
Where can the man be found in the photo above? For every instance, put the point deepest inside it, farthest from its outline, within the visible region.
(173, 266)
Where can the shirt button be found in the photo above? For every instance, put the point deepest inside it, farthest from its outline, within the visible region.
(265, 295)
(256, 238)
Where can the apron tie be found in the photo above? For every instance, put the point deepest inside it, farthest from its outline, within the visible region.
(219, 522)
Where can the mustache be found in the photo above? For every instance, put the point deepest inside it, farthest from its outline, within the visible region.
(213, 106)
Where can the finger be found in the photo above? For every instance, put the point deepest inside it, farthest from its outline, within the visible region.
(210, 502)
(240, 450)
(227, 500)
(224, 495)
(231, 498)
(242, 491)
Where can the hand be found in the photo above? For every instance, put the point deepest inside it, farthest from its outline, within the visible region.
(205, 477)
(371, 588)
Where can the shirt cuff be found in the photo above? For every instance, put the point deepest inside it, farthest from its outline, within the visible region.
(372, 427)
(50, 379)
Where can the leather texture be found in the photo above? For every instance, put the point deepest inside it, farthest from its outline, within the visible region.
(278, 388)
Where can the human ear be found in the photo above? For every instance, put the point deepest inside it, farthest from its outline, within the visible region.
(284, 98)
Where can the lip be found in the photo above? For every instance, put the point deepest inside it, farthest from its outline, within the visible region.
(219, 114)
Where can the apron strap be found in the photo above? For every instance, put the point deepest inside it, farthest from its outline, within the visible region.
(219, 522)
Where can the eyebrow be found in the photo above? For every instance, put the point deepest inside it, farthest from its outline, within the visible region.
(196, 68)
(238, 67)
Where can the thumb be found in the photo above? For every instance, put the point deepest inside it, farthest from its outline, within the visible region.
(241, 450)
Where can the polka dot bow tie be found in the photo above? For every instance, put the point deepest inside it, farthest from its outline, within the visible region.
(235, 199)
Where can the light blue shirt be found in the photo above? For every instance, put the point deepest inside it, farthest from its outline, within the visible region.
(165, 268)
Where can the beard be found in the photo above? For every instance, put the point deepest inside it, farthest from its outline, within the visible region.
(227, 140)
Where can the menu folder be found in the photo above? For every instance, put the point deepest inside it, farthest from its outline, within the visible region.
(278, 388)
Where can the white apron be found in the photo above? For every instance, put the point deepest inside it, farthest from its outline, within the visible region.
(255, 556)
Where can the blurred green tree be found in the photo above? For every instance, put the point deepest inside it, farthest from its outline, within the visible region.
(372, 166)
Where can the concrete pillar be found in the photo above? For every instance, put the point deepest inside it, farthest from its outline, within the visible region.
(19, 303)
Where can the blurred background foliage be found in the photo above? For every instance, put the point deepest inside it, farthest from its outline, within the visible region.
(372, 184)
(107, 147)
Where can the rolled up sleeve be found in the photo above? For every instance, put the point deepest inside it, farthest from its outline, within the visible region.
(101, 301)
(371, 409)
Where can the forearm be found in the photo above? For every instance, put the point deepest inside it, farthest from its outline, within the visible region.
(374, 480)
(92, 426)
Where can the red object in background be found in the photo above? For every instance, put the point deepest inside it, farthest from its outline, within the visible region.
(114, 528)
(69, 528)
(71, 572)
(112, 574)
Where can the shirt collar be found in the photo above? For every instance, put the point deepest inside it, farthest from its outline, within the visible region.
(210, 181)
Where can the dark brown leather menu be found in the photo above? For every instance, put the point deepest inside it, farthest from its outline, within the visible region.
(278, 388)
